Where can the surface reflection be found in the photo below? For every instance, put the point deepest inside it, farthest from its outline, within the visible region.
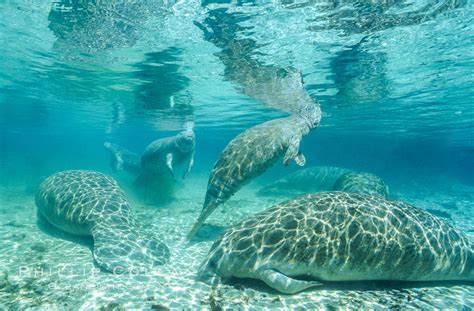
(276, 87)
(370, 16)
(162, 85)
(360, 74)
(91, 26)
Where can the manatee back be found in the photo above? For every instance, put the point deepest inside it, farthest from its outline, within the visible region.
(345, 236)
(247, 156)
(73, 200)
(363, 183)
(311, 179)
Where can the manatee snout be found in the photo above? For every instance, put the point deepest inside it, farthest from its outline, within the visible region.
(208, 273)
(185, 141)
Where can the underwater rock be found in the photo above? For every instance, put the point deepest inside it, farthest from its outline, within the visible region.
(4, 282)
(112, 306)
(363, 183)
(29, 293)
(339, 236)
(38, 247)
(17, 237)
(307, 180)
(88, 203)
(159, 307)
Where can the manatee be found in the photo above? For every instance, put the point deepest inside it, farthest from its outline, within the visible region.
(154, 170)
(254, 151)
(161, 155)
(123, 159)
(339, 236)
(159, 158)
(89, 203)
(363, 183)
(307, 180)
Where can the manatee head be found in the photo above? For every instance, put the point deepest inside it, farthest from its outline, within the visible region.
(185, 141)
(311, 112)
(209, 271)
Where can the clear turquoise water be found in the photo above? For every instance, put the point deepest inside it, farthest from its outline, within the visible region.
(394, 79)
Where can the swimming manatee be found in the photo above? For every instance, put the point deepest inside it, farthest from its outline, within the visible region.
(252, 152)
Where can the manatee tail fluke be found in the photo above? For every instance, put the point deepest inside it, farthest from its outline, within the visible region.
(215, 196)
(206, 211)
(127, 252)
(197, 225)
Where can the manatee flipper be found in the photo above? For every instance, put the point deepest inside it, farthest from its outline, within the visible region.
(118, 162)
(169, 164)
(190, 166)
(172, 103)
(283, 283)
(300, 159)
(120, 251)
(293, 151)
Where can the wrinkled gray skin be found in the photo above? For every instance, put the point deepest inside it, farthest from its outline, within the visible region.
(88, 203)
(307, 180)
(339, 236)
(159, 158)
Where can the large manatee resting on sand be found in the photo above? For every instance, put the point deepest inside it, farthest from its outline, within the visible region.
(339, 236)
(88, 203)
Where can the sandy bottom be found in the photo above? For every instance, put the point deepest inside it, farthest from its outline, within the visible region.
(44, 269)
